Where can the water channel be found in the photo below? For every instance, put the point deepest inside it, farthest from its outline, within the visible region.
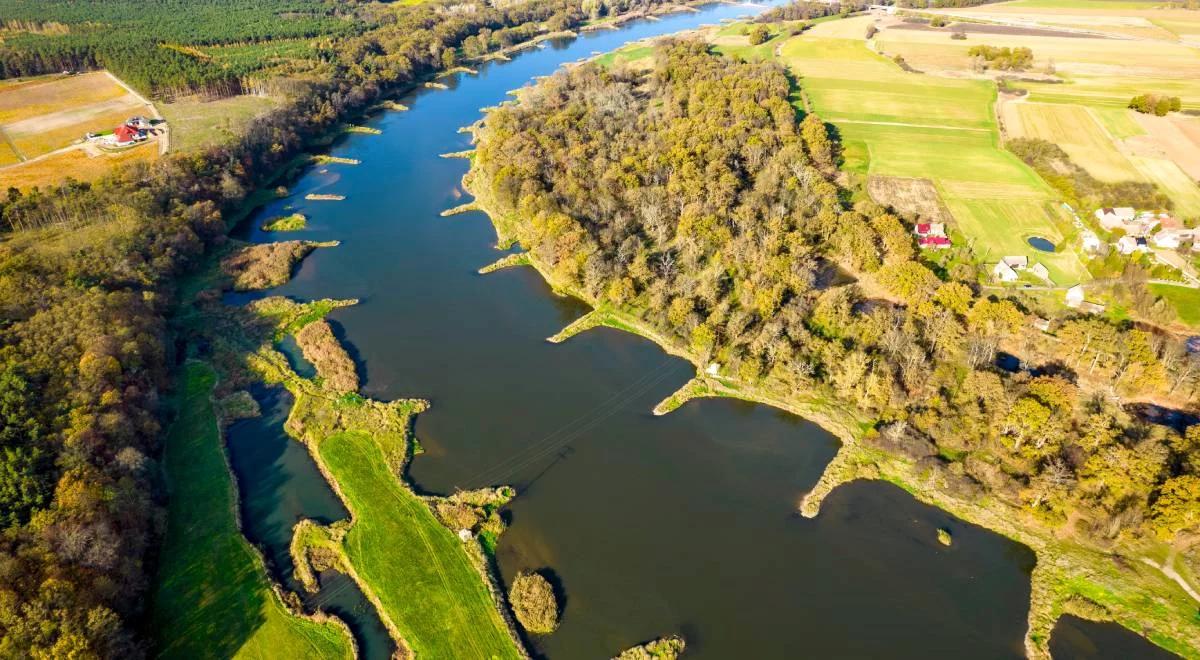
(680, 524)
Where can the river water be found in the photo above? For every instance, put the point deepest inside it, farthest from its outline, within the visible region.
(680, 524)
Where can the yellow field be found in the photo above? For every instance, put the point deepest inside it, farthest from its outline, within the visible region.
(40, 115)
(1146, 20)
(1075, 129)
(75, 163)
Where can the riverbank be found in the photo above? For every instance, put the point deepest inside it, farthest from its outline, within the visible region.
(1069, 578)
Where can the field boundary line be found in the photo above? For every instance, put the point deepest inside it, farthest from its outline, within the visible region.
(910, 125)
(12, 145)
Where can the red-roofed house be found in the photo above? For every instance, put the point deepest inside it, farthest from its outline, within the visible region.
(125, 134)
(936, 242)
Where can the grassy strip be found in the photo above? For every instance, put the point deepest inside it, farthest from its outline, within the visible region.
(213, 597)
(436, 599)
(293, 222)
(363, 130)
(509, 261)
(326, 159)
(461, 208)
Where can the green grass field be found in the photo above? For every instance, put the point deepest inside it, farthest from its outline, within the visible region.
(1186, 302)
(895, 123)
(413, 564)
(212, 597)
(199, 124)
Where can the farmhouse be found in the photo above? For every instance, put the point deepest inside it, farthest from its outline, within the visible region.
(1075, 300)
(934, 242)
(1075, 296)
(1016, 263)
(1090, 242)
(1128, 245)
(1004, 272)
(1172, 238)
(1112, 218)
(930, 229)
(1040, 271)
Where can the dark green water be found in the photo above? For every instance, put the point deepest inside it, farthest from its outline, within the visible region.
(679, 524)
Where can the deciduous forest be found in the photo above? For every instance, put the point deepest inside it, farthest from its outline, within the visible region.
(692, 197)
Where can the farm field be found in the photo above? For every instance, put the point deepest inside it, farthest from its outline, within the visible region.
(197, 124)
(1145, 19)
(79, 164)
(43, 114)
(407, 558)
(1085, 113)
(212, 595)
(900, 124)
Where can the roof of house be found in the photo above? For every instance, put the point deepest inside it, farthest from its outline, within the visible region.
(933, 240)
(923, 227)
(1016, 261)
(125, 132)
(1003, 270)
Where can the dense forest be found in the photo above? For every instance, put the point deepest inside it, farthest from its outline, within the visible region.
(693, 198)
(85, 347)
(150, 44)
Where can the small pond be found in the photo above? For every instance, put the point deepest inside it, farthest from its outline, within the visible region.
(1040, 243)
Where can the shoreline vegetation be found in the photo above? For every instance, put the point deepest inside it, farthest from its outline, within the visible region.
(1104, 582)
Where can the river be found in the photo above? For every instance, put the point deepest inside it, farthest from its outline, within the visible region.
(680, 524)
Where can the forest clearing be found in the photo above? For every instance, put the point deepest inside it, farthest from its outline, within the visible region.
(44, 121)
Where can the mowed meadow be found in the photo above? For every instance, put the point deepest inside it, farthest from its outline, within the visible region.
(895, 123)
(1082, 105)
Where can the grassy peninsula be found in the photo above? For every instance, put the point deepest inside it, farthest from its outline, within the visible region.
(734, 245)
(432, 589)
(213, 597)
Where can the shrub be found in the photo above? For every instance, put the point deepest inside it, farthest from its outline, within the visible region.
(533, 602)
(758, 35)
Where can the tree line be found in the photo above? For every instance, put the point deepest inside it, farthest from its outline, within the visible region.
(691, 197)
(86, 349)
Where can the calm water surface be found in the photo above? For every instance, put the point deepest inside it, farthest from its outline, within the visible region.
(679, 524)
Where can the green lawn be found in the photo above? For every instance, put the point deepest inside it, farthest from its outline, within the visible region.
(1186, 301)
(895, 123)
(416, 567)
(212, 598)
(198, 124)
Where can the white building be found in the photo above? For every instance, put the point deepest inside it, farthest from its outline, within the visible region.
(1172, 238)
(1016, 263)
(1090, 241)
(1111, 218)
(1075, 296)
(1128, 245)
(1004, 273)
(1040, 271)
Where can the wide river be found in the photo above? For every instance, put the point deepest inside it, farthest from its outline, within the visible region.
(679, 524)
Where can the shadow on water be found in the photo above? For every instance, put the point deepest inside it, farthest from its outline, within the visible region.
(1079, 639)
(279, 485)
(653, 525)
